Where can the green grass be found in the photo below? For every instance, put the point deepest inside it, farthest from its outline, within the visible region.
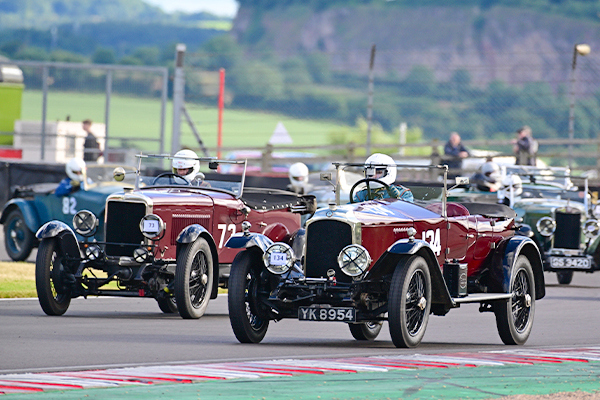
(17, 280)
(139, 118)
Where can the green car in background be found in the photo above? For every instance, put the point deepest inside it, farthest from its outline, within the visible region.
(33, 205)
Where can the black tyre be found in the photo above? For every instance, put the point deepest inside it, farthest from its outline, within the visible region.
(18, 239)
(564, 277)
(244, 282)
(54, 293)
(365, 331)
(514, 318)
(168, 305)
(409, 301)
(193, 279)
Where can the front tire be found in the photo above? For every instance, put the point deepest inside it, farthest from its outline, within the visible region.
(409, 302)
(193, 279)
(167, 305)
(365, 331)
(514, 317)
(564, 277)
(53, 293)
(244, 282)
(18, 239)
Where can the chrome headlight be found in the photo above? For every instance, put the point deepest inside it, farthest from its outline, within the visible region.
(591, 228)
(93, 252)
(354, 260)
(279, 258)
(152, 226)
(546, 226)
(85, 223)
(141, 254)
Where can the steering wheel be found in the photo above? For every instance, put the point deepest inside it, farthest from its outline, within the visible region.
(370, 195)
(172, 178)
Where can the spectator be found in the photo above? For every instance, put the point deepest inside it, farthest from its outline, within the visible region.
(525, 147)
(76, 174)
(91, 147)
(382, 168)
(455, 151)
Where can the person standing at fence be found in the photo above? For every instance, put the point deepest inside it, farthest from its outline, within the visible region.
(525, 147)
(91, 147)
(455, 152)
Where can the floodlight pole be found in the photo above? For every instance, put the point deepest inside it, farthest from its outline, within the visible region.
(582, 49)
(370, 101)
(178, 94)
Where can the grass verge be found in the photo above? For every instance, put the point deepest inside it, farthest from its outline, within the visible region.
(17, 280)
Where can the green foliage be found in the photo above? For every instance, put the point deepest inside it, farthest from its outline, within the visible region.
(104, 55)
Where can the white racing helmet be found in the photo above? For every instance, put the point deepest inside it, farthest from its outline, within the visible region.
(511, 181)
(381, 167)
(186, 159)
(298, 174)
(76, 169)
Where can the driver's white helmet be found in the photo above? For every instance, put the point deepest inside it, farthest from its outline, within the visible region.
(491, 169)
(76, 169)
(188, 161)
(298, 174)
(512, 181)
(382, 167)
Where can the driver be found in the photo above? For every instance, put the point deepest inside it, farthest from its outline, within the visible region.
(488, 178)
(188, 166)
(383, 168)
(76, 173)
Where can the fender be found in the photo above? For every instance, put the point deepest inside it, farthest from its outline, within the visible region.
(28, 211)
(190, 233)
(504, 259)
(248, 240)
(388, 261)
(66, 238)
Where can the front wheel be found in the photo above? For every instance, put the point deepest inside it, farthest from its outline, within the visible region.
(54, 294)
(193, 279)
(409, 301)
(365, 331)
(167, 304)
(18, 239)
(244, 282)
(564, 277)
(514, 317)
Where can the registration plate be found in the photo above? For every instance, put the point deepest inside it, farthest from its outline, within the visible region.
(570, 262)
(317, 313)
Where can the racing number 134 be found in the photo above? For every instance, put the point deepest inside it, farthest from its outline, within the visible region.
(433, 238)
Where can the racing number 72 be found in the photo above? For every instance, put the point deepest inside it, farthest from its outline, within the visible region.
(224, 228)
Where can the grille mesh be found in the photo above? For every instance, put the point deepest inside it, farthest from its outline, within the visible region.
(568, 230)
(324, 241)
(123, 227)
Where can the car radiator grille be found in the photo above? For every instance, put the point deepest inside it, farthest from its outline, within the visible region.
(324, 241)
(180, 221)
(568, 230)
(123, 227)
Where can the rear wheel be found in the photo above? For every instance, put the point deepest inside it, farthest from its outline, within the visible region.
(514, 317)
(168, 305)
(366, 330)
(564, 277)
(244, 282)
(54, 293)
(409, 301)
(18, 239)
(193, 279)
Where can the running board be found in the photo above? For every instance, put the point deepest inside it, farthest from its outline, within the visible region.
(478, 297)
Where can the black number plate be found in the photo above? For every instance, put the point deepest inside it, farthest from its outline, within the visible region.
(570, 262)
(317, 313)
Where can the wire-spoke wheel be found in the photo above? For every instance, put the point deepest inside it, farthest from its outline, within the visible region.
(244, 280)
(53, 292)
(167, 304)
(564, 277)
(193, 279)
(365, 330)
(514, 317)
(409, 301)
(18, 239)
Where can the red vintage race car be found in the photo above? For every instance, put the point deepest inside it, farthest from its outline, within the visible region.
(388, 260)
(164, 239)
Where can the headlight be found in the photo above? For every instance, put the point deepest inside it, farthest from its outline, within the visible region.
(354, 260)
(85, 223)
(141, 254)
(152, 226)
(279, 258)
(93, 252)
(546, 226)
(591, 228)
(596, 211)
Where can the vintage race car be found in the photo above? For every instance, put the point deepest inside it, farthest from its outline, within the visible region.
(388, 260)
(163, 239)
(32, 206)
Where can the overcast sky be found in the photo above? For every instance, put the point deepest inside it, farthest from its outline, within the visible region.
(226, 8)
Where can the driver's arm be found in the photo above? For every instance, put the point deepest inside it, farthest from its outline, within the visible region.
(402, 193)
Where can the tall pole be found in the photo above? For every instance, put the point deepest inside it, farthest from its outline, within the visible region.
(178, 94)
(370, 100)
(582, 49)
(220, 119)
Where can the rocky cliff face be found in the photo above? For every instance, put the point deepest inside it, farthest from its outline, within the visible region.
(511, 45)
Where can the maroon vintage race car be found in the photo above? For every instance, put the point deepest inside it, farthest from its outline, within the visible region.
(388, 260)
(164, 239)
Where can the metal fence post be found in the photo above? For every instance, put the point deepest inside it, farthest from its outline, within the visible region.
(266, 158)
(178, 95)
(44, 109)
(109, 76)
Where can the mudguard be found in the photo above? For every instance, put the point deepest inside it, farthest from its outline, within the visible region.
(190, 233)
(388, 261)
(503, 261)
(28, 211)
(247, 240)
(66, 239)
